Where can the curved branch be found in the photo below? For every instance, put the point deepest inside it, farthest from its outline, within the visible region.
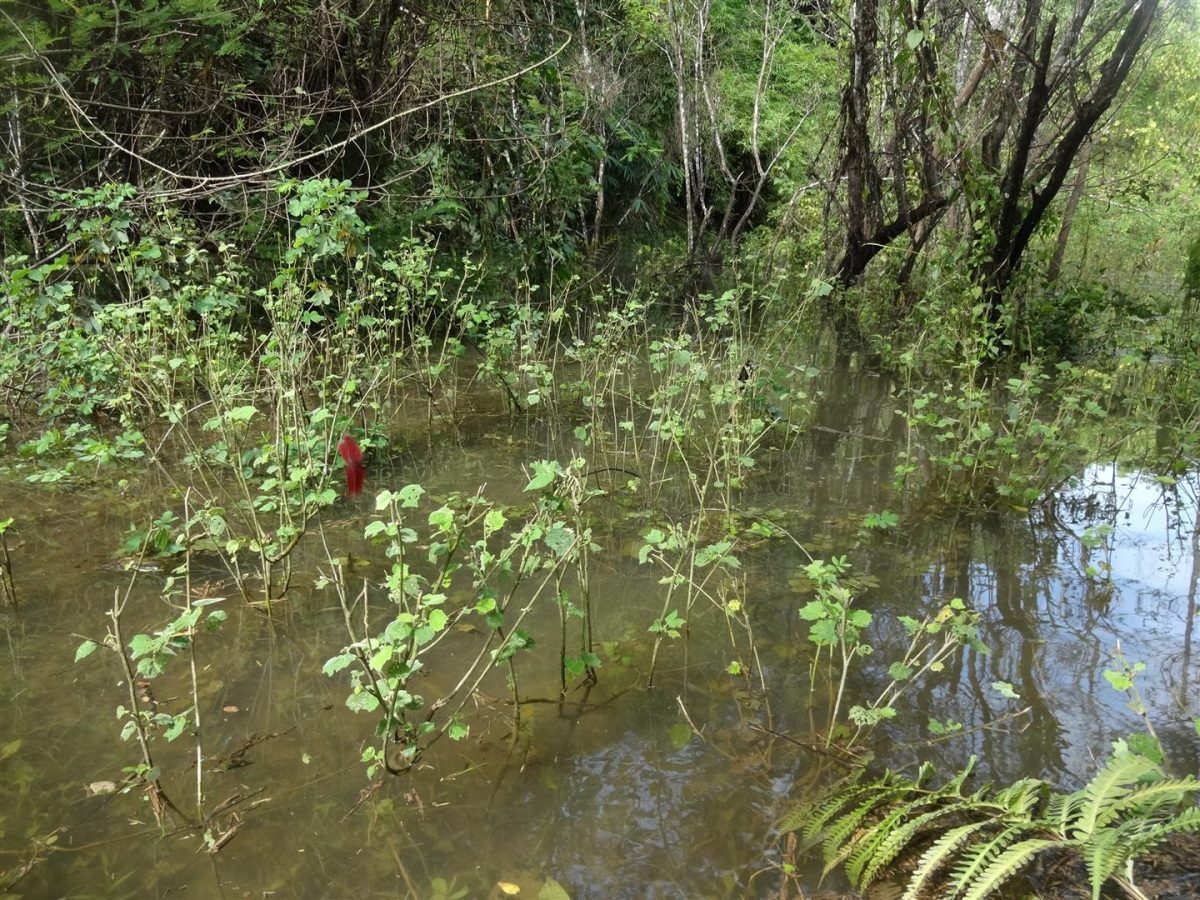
(859, 254)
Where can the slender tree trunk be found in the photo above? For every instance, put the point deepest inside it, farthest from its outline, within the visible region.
(863, 188)
(1064, 231)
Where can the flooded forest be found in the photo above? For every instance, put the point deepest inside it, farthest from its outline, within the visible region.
(587, 449)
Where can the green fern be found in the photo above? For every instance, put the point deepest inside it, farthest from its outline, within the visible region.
(939, 856)
(973, 874)
(893, 844)
(1007, 864)
(838, 843)
(1103, 794)
(879, 848)
(811, 818)
(967, 846)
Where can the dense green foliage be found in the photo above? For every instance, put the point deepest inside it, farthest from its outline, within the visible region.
(543, 139)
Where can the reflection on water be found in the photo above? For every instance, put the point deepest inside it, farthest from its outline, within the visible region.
(1135, 587)
(604, 792)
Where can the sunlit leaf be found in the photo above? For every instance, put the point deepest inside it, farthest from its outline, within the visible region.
(1119, 680)
(410, 495)
(493, 522)
(362, 702)
(1005, 690)
(544, 474)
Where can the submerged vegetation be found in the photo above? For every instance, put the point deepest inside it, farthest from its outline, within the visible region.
(240, 240)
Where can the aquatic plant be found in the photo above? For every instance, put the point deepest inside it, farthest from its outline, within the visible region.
(838, 631)
(979, 441)
(144, 658)
(487, 568)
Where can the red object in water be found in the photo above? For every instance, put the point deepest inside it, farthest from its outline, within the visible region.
(355, 470)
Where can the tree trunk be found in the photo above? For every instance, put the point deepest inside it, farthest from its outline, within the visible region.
(1031, 193)
(1064, 231)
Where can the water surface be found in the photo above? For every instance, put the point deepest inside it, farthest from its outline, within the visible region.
(605, 791)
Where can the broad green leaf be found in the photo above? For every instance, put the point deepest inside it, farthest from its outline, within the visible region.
(337, 663)
(410, 495)
(544, 474)
(362, 702)
(493, 522)
(559, 539)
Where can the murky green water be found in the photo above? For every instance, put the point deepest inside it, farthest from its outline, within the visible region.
(602, 791)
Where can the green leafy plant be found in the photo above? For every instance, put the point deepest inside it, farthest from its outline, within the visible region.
(977, 442)
(482, 564)
(144, 658)
(968, 844)
(834, 628)
(838, 631)
(885, 520)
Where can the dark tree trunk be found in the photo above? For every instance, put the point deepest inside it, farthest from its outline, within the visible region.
(997, 149)
(1028, 194)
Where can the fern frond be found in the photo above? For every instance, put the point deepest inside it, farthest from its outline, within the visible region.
(1107, 789)
(955, 784)
(839, 840)
(1020, 799)
(976, 859)
(879, 847)
(1143, 842)
(866, 855)
(1112, 848)
(927, 771)
(1006, 865)
(939, 854)
(1103, 855)
(1062, 810)
(1156, 798)
(979, 842)
(896, 838)
(804, 814)
(813, 814)
(868, 795)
